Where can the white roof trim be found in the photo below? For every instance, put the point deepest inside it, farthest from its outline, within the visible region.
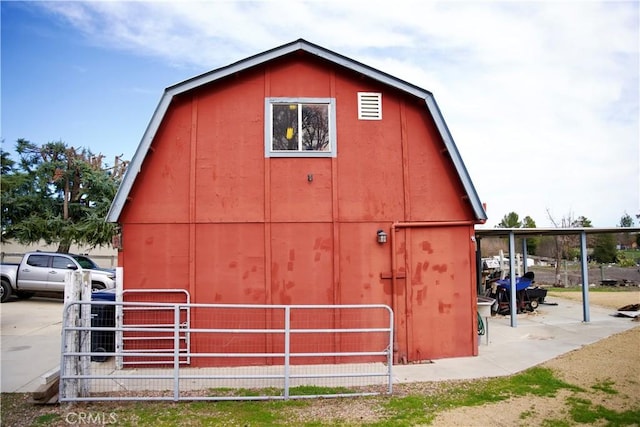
(187, 85)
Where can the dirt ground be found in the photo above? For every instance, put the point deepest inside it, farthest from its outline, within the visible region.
(573, 277)
(613, 300)
(613, 361)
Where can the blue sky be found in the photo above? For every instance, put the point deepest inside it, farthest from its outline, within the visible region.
(542, 98)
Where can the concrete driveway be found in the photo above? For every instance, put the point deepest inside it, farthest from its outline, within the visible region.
(30, 342)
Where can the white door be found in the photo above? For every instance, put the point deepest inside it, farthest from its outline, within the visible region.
(33, 274)
(60, 267)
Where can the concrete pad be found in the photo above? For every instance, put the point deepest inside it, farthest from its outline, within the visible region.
(30, 342)
(540, 336)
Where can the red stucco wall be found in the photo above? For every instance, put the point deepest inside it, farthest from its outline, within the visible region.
(210, 214)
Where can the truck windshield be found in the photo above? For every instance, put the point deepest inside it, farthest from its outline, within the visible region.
(85, 262)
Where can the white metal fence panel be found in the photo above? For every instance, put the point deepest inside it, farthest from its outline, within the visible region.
(150, 318)
(235, 352)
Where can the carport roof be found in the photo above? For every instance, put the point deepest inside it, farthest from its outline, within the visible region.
(551, 231)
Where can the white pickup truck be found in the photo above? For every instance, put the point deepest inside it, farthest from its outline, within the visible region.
(46, 272)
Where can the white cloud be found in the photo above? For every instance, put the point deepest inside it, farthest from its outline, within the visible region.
(541, 97)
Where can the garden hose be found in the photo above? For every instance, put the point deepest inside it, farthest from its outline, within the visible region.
(481, 330)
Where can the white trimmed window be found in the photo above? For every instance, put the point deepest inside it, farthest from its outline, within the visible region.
(300, 127)
(369, 106)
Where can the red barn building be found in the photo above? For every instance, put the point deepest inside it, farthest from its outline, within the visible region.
(267, 182)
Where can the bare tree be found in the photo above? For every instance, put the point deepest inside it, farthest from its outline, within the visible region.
(565, 245)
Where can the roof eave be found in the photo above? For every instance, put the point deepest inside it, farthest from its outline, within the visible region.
(456, 158)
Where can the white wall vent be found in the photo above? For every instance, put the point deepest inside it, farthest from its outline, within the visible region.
(369, 106)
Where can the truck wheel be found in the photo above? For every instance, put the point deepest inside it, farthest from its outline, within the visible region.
(99, 358)
(95, 287)
(5, 291)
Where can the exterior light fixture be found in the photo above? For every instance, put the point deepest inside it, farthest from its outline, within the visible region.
(382, 236)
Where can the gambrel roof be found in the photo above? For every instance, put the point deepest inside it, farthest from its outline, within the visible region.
(270, 55)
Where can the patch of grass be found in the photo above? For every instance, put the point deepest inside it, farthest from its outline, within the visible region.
(422, 409)
(244, 392)
(248, 392)
(200, 405)
(253, 413)
(310, 390)
(630, 255)
(530, 413)
(583, 411)
(537, 381)
(46, 419)
(17, 409)
(605, 387)
(409, 410)
(305, 390)
(154, 414)
(526, 414)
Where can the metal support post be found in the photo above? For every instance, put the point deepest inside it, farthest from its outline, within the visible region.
(176, 353)
(585, 276)
(479, 283)
(287, 350)
(119, 318)
(512, 280)
(524, 255)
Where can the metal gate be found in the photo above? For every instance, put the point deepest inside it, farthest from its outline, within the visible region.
(236, 352)
(150, 318)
